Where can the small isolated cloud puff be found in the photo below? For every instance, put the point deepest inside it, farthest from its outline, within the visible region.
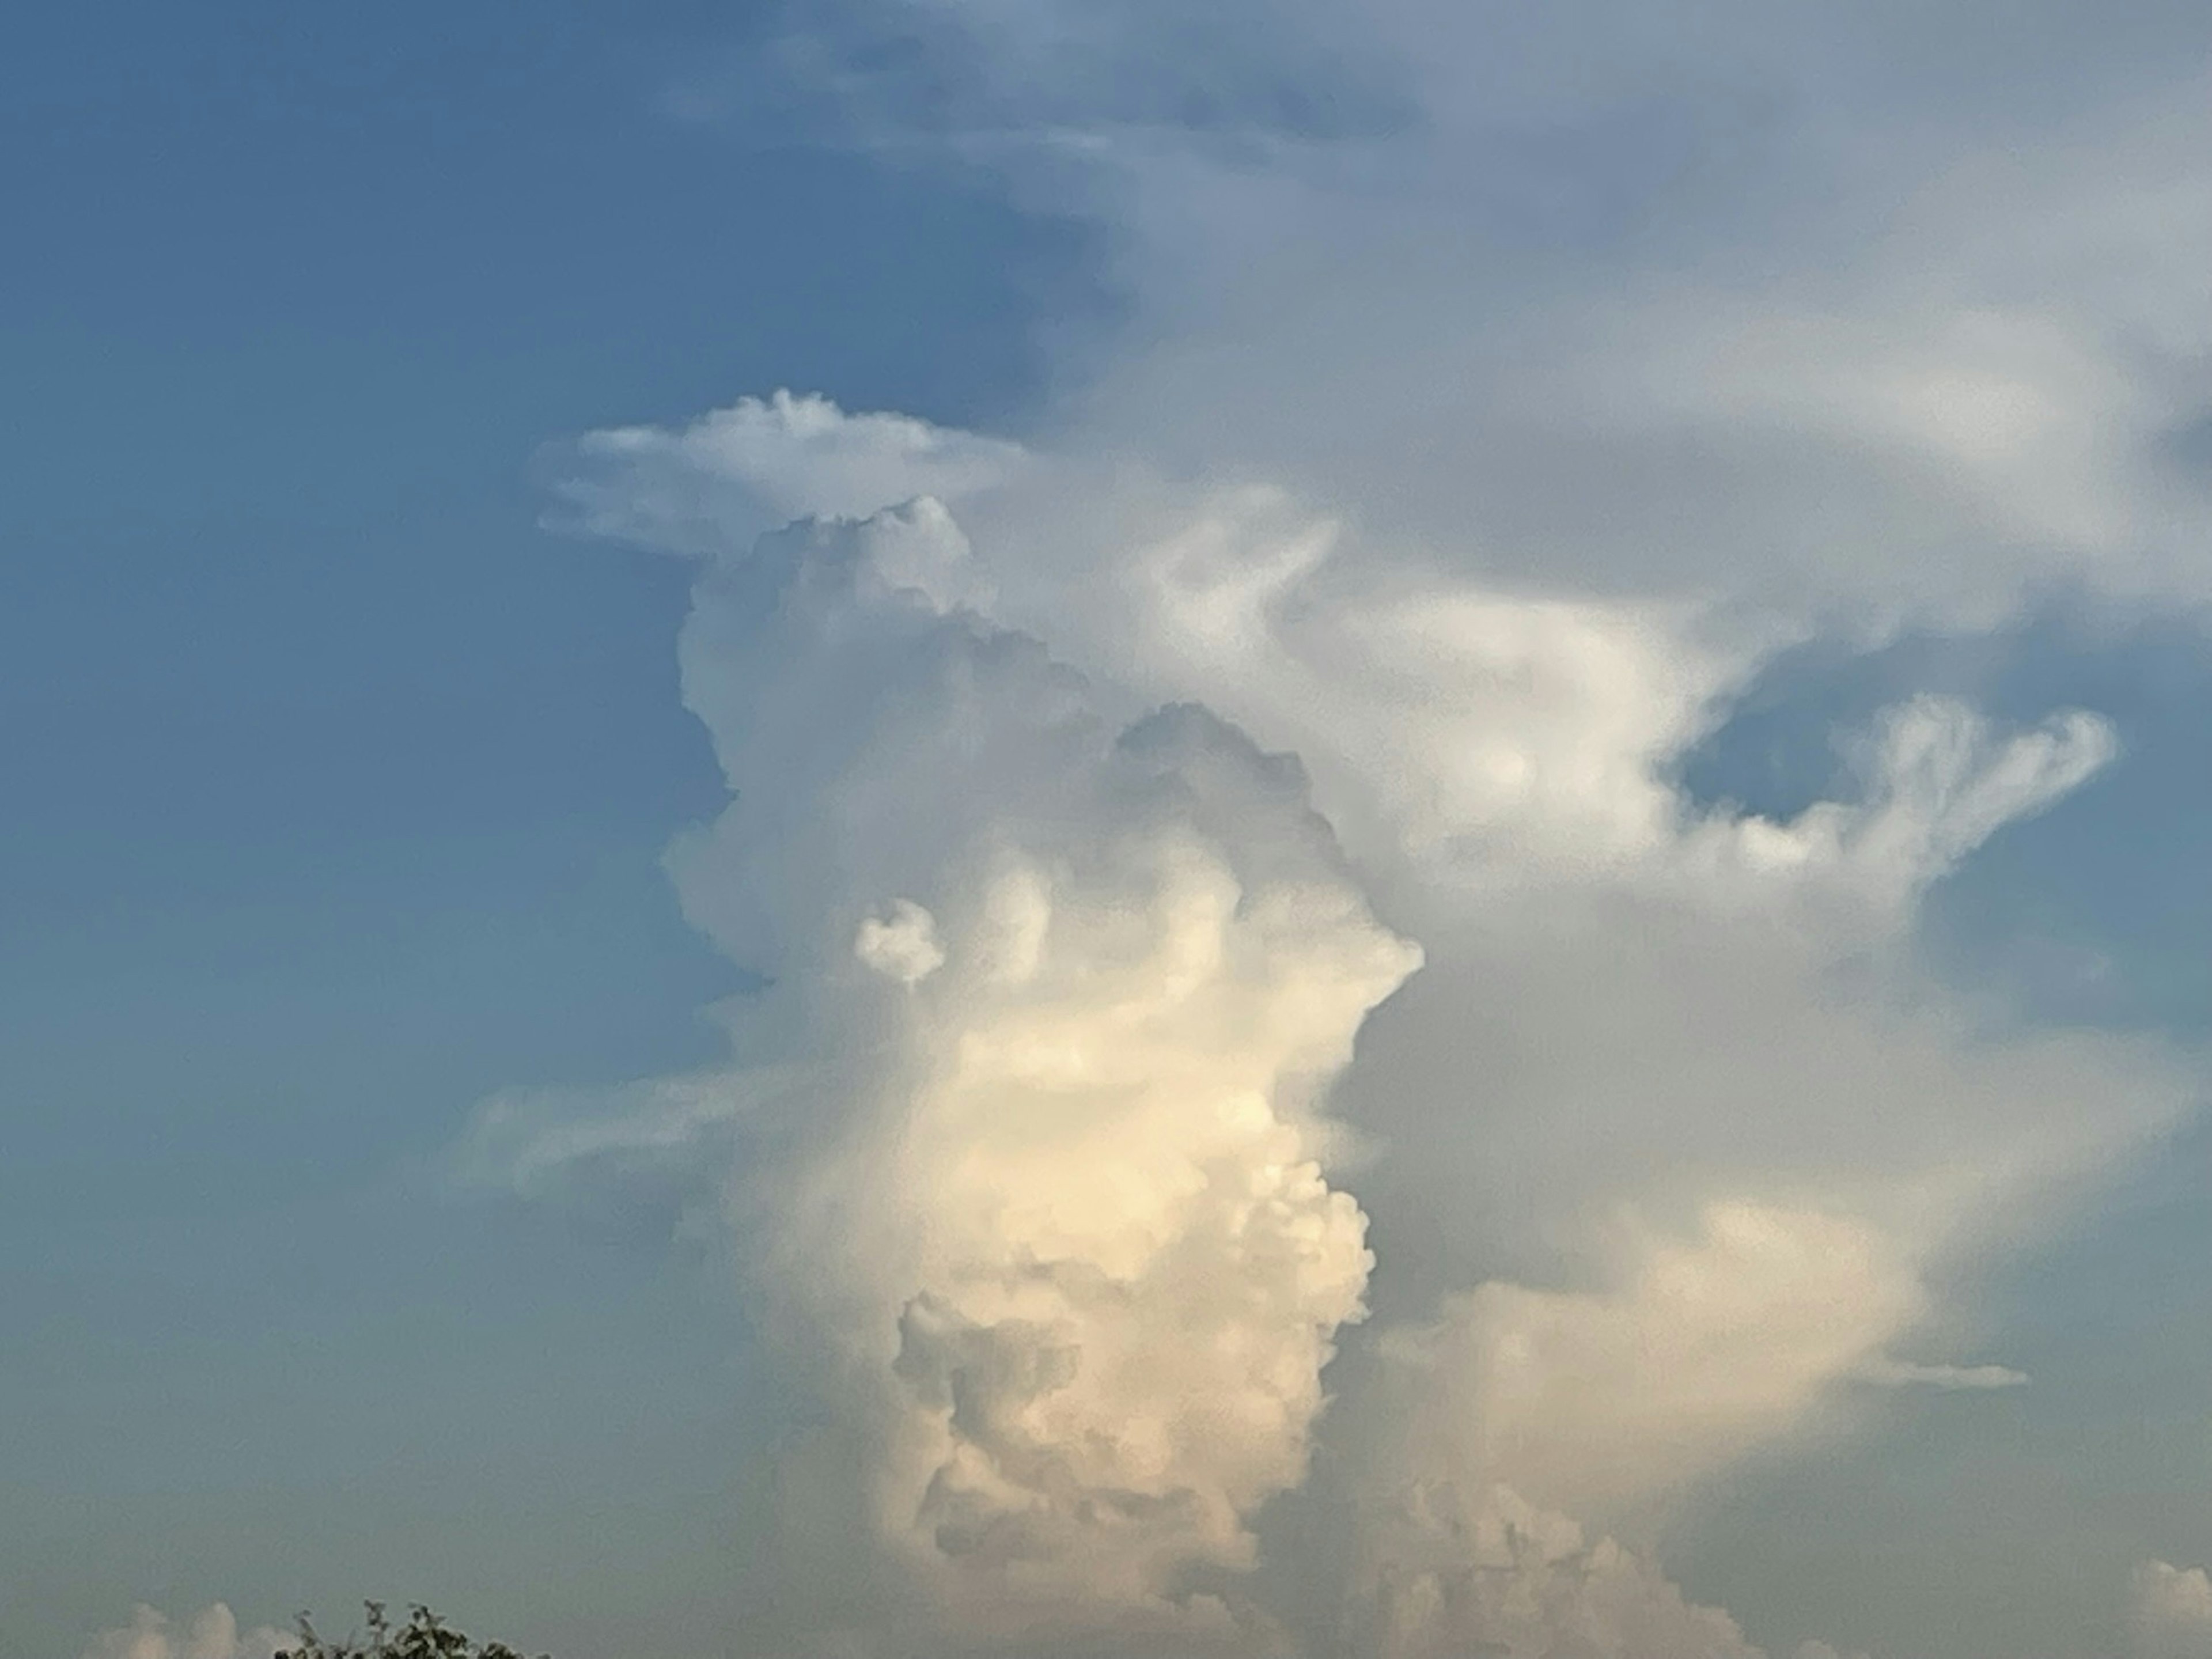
(213, 1633)
(2169, 1611)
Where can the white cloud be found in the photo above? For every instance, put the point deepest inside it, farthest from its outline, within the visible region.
(739, 471)
(1049, 1210)
(1591, 1401)
(1908, 1374)
(213, 1633)
(1493, 1575)
(1897, 383)
(1692, 1129)
(902, 945)
(2169, 1611)
(1940, 782)
(1440, 541)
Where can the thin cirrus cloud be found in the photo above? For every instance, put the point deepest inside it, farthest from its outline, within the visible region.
(1242, 821)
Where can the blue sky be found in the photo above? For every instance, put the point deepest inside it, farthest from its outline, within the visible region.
(339, 787)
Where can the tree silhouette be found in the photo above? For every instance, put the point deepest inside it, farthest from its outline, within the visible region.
(424, 1636)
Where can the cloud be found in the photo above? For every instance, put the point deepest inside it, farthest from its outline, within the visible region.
(903, 945)
(756, 465)
(642, 1159)
(213, 1633)
(1588, 1402)
(1942, 782)
(1496, 1576)
(1246, 818)
(1074, 1247)
(1030, 1167)
(2169, 1611)
(1908, 1374)
(1646, 303)
(1056, 999)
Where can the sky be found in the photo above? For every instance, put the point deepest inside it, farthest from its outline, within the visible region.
(920, 828)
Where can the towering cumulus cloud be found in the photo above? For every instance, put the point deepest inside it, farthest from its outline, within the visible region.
(1264, 784)
(1059, 998)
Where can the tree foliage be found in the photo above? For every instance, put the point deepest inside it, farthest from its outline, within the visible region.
(424, 1636)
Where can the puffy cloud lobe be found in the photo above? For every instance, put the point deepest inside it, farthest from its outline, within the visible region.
(2169, 1611)
(902, 945)
(1131, 1269)
(1485, 1572)
(759, 465)
(213, 1633)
